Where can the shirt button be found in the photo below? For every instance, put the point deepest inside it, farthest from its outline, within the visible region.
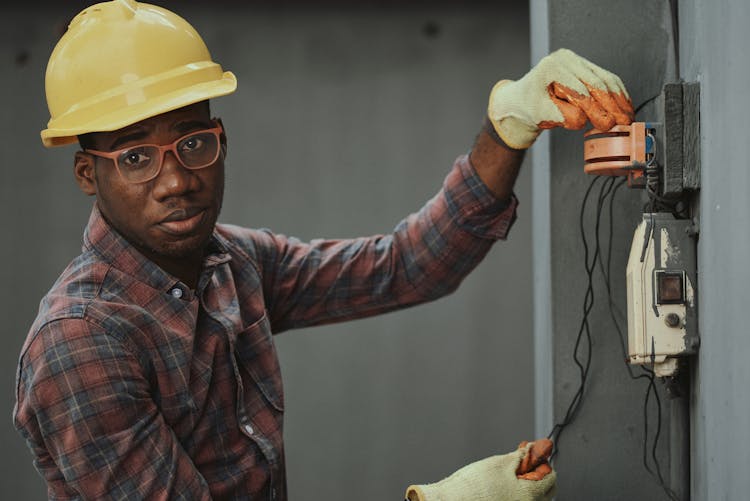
(248, 429)
(176, 292)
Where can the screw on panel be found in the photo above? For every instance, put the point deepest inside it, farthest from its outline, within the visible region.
(694, 343)
(672, 320)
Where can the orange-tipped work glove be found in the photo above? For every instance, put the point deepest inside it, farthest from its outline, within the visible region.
(563, 90)
(496, 478)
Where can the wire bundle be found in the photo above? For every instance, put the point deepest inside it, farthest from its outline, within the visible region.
(582, 348)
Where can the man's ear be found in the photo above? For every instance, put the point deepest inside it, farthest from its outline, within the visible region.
(83, 169)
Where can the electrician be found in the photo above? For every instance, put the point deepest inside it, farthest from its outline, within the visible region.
(150, 370)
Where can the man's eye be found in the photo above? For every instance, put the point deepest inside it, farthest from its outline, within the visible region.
(191, 144)
(134, 159)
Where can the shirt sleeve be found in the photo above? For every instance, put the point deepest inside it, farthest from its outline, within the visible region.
(426, 256)
(85, 410)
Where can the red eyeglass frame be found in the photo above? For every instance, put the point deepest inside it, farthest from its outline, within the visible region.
(163, 148)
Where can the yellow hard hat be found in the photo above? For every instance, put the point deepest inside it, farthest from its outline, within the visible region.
(121, 62)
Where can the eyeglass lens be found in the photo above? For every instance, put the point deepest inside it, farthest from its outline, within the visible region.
(194, 152)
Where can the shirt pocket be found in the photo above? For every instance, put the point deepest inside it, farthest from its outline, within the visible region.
(256, 356)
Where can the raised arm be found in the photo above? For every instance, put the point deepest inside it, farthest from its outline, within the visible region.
(430, 252)
(425, 257)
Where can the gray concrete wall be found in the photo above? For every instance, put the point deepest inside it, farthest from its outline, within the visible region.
(713, 51)
(601, 450)
(345, 120)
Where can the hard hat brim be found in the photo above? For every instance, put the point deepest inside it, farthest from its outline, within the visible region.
(57, 134)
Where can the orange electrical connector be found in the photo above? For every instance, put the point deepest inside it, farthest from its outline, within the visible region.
(619, 151)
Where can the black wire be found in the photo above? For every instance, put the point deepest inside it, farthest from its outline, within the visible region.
(674, 22)
(607, 192)
(606, 274)
(658, 476)
(644, 103)
(588, 302)
(606, 271)
(649, 374)
(675, 36)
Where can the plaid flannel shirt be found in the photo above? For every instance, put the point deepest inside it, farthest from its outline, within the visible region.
(130, 385)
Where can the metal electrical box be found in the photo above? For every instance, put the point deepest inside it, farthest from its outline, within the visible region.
(661, 288)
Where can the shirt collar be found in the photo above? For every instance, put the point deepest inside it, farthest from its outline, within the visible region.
(101, 238)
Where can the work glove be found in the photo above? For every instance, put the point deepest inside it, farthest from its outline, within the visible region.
(562, 90)
(497, 478)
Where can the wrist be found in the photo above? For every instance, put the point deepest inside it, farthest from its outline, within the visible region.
(491, 131)
(496, 163)
(508, 112)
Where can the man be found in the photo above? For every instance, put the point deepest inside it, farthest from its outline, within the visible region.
(150, 371)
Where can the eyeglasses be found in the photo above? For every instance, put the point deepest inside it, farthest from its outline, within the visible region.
(142, 163)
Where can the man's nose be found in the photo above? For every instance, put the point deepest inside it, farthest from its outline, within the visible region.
(174, 179)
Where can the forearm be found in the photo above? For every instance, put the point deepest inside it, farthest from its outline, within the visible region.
(496, 164)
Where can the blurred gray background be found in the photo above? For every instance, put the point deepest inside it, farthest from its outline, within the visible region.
(345, 120)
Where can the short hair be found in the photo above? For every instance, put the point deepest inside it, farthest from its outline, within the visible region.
(87, 141)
